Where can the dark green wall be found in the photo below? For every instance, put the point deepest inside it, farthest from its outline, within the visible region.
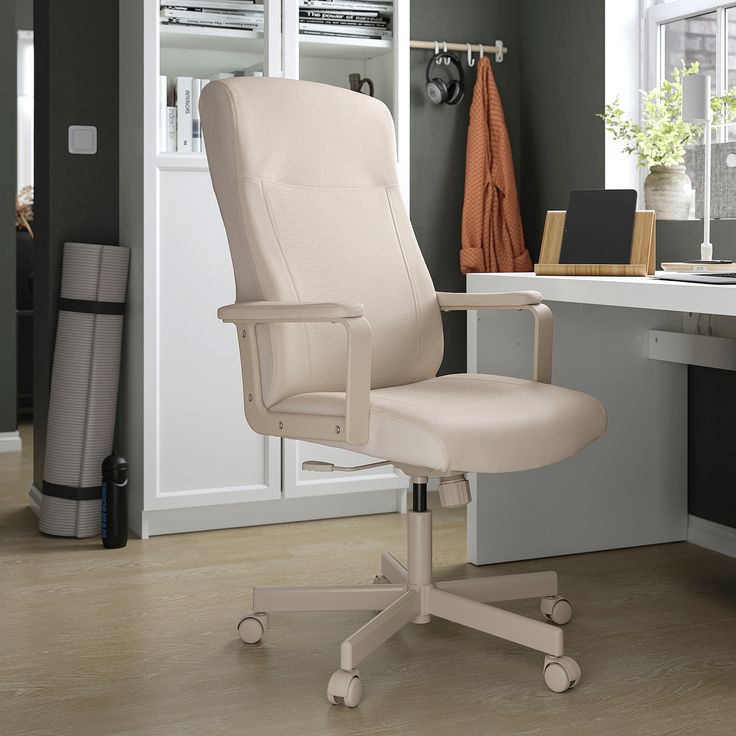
(550, 99)
(711, 393)
(438, 137)
(711, 411)
(76, 47)
(562, 88)
(24, 15)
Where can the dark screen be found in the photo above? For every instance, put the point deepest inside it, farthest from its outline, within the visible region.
(599, 225)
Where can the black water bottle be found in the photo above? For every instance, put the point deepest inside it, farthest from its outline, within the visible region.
(114, 501)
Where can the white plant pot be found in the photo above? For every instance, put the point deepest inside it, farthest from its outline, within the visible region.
(668, 191)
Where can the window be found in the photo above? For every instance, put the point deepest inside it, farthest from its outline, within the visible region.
(703, 31)
(25, 109)
(694, 30)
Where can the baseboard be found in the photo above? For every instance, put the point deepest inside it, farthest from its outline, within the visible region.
(34, 499)
(711, 535)
(275, 511)
(10, 442)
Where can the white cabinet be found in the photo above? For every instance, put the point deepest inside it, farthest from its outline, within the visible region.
(194, 462)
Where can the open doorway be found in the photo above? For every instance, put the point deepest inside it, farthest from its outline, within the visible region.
(16, 242)
(24, 225)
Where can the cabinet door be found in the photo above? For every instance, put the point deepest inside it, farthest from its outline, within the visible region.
(298, 482)
(207, 453)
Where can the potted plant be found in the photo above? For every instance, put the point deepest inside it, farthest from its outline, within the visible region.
(660, 139)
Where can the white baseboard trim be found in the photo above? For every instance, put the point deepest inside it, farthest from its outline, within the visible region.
(34, 499)
(10, 442)
(274, 511)
(711, 535)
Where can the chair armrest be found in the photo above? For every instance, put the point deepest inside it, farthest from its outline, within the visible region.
(450, 302)
(353, 427)
(260, 312)
(529, 301)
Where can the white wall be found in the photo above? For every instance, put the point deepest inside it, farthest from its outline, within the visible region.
(624, 63)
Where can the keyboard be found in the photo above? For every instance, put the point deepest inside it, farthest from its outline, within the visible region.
(700, 277)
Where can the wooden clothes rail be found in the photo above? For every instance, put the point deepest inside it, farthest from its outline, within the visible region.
(498, 49)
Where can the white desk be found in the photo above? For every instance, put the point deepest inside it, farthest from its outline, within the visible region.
(622, 340)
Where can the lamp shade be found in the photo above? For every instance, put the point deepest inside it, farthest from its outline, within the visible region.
(696, 98)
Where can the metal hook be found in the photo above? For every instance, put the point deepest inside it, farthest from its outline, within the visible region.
(471, 60)
(481, 52)
(499, 50)
(437, 52)
(444, 51)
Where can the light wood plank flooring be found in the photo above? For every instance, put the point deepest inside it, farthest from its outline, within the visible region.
(142, 640)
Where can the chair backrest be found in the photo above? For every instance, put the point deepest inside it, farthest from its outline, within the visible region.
(306, 180)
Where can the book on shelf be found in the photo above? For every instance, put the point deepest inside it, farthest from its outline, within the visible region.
(354, 5)
(184, 114)
(170, 146)
(350, 31)
(163, 101)
(196, 128)
(180, 127)
(246, 5)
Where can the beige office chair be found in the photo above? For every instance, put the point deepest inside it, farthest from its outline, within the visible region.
(340, 340)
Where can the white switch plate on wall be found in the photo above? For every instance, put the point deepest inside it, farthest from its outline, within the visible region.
(83, 139)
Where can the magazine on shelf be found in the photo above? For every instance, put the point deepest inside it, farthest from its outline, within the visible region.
(341, 34)
(346, 5)
(256, 27)
(380, 24)
(184, 114)
(329, 15)
(237, 5)
(355, 31)
(213, 17)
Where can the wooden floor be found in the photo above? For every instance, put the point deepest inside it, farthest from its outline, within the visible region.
(142, 640)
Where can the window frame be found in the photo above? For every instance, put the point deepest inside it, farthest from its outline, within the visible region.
(659, 14)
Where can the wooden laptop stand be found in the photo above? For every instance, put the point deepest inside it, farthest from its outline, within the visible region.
(643, 250)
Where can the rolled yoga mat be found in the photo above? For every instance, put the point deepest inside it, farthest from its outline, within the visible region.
(84, 387)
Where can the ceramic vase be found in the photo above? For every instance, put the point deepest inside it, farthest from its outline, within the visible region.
(668, 191)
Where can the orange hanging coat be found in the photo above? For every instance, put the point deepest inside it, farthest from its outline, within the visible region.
(492, 234)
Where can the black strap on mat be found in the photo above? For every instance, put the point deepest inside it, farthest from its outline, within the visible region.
(87, 493)
(90, 307)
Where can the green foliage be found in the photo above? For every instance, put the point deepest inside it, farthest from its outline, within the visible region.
(662, 135)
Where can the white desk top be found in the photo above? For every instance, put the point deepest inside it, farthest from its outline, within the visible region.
(632, 292)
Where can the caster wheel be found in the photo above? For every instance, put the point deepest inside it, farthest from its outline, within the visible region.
(381, 580)
(557, 609)
(561, 673)
(252, 627)
(345, 688)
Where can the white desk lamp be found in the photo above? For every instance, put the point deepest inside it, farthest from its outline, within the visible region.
(696, 109)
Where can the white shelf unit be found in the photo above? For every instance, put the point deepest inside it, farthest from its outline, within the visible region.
(194, 462)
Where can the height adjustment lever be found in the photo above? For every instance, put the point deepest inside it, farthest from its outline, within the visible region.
(322, 467)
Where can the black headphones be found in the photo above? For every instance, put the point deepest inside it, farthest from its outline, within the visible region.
(438, 90)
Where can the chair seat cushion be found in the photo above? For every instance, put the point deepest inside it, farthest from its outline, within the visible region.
(469, 422)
